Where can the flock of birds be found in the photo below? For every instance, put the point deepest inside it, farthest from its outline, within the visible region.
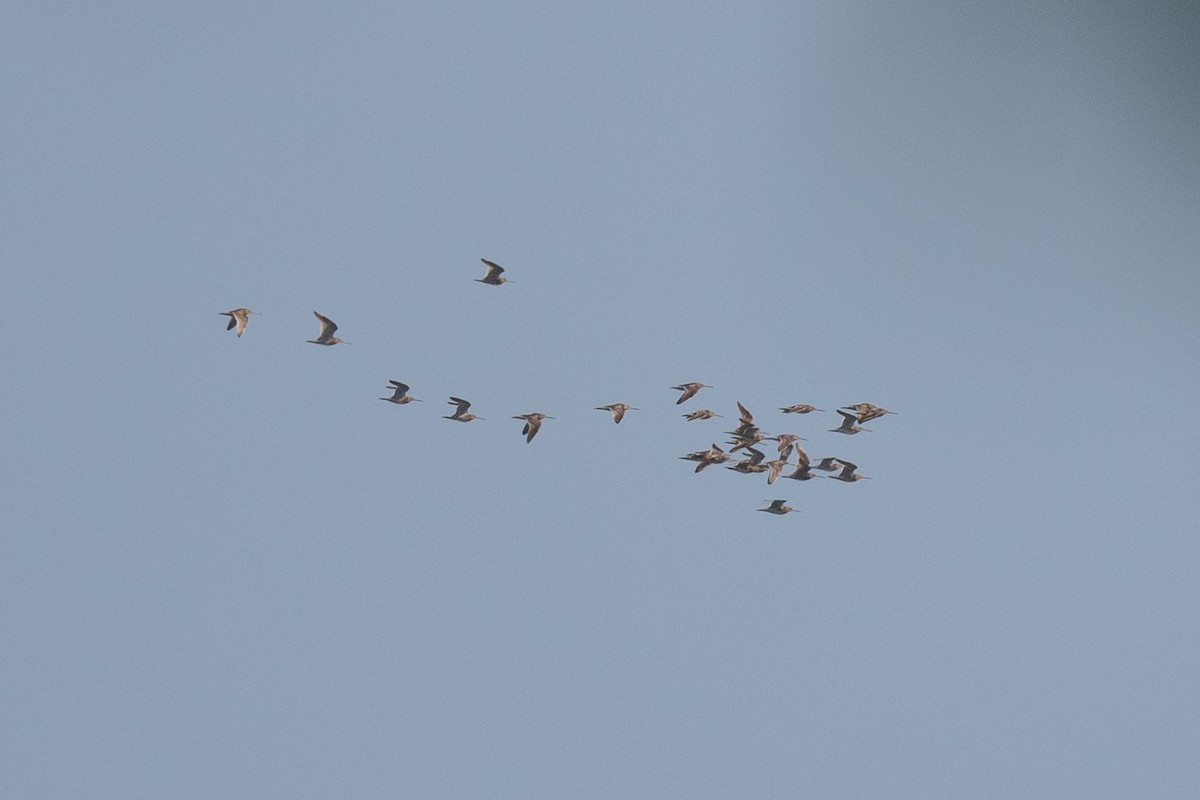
(747, 436)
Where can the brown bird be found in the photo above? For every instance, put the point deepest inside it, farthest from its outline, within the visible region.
(703, 413)
(865, 411)
(689, 390)
(327, 330)
(617, 409)
(460, 414)
(848, 474)
(828, 464)
(777, 507)
(401, 394)
(848, 425)
(533, 424)
(802, 408)
(713, 455)
(494, 276)
(237, 319)
(776, 466)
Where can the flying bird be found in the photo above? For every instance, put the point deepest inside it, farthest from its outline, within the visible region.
(689, 390)
(828, 464)
(865, 411)
(714, 455)
(533, 424)
(460, 414)
(401, 394)
(777, 507)
(494, 276)
(237, 319)
(848, 474)
(802, 408)
(617, 409)
(328, 328)
(703, 413)
(848, 425)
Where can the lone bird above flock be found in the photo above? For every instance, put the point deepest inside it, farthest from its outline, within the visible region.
(401, 394)
(237, 319)
(617, 409)
(328, 328)
(494, 276)
(689, 390)
(460, 414)
(533, 424)
(703, 413)
(777, 507)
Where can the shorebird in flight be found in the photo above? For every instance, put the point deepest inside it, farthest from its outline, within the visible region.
(752, 464)
(865, 411)
(776, 466)
(787, 440)
(848, 425)
(533, 424)
(617, 409)
(828, 464)
(848, 474)
(328, 328)
(494, 276)
(460, 414)
(401, 394)
(777, 507)
(802, 408)
(689, 390)
(703, 413)
(237, 319)
(713, 455)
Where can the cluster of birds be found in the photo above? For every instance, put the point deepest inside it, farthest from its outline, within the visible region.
(747, 436)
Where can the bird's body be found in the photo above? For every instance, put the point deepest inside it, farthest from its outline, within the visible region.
(328, 328)
(238, 318)
(865, 411)
(703, 413)
(848, 425)
(802, 408)
(786, 440)
(460, 414)
(777, 507)
(713, 455)
(828, 464)
(495, 274)
(533, 424)
(617, 409)
(776, 466)
(848, 474)
(751, 464)
(400, 396)
(689, 390)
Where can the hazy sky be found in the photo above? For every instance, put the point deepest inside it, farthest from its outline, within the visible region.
(228, 570)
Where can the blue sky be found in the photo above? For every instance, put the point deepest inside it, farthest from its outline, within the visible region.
(228, 570)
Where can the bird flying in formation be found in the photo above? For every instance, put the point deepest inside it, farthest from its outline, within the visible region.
(689, 390)
(533, 424)
(460, 414)
(237, 319)
(400, 396)
(328, 328)
(617, 409)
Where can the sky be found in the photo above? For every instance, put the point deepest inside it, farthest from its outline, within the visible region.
(228, 570)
